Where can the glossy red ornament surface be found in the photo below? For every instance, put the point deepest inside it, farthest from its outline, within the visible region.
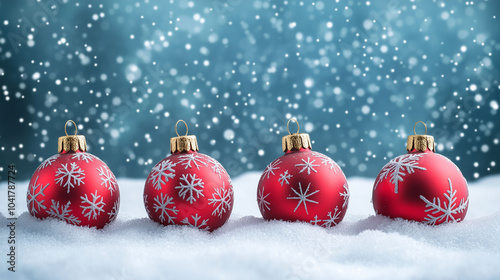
(75, 187)
(189, 188)
(303, 185)
(421, 186)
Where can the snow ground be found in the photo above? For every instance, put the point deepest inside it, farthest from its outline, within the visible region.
(247, 247)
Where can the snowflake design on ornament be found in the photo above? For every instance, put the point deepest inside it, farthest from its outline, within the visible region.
(327, 161)
(146, 205)
(161, 203)
(331, 221)
(302, 197)
(107, 178)
(316, 221)
(114, 211)
(161, 173)
(196, 218)
(32, 197)
(261, 199)
(216, 167)
(221, 200)
(47, 162)
(62, 213)
(193, 186)
(307, 165)
(446, 210)
(83, 156)
(284, 177)
(186, 160)
(271, 167)
(396, 169)
(94, 208)
(345, 195)
(70, 177)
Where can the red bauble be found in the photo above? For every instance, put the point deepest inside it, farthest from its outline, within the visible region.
(421, 186)
(189, 188)
(303, 185)
(75, 187)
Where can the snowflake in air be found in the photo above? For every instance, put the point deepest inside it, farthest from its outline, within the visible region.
(94, 207)
(303, 197)
(271, 167)
(446, 210)
(108, 179)
(327, 161)
(307, 165)
(345, 195)
(196, 222)
(221, 200)
(396, 169)
(191, 158)
(83, 156)
(114, 211)
(331, 221)
(70, 177)
(192, 186)
(284, 177)
(36, 190)
(261, 199)
(47, 162)
(217, 168)
(161, 173)
(61, 212)
(162, 203)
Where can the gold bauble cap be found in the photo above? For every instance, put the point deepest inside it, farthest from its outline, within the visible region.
(296, 140)
(71, 143)
(420, 142)
(183, 143)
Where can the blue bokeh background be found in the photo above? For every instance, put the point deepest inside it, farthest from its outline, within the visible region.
(357, 76)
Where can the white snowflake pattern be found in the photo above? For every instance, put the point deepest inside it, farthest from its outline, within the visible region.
(196, 218)
(316, 221)
(193, 186)
(161, 203)
(396, 169)
(146, 205)
(36, 190)
(327, 161)
(303, 197)
(446, 210)
(47, 162)
(70, 177)
(345, 195)
(221, 200)
(83, 156)
(161, 173)
(307, 165)
(217, 168)
(114, 211)
(284, 177)
(196, 160)
(62, 213)
(261, 199)
(108, 179)
(271, 167)
(331, 221)
(94, 207)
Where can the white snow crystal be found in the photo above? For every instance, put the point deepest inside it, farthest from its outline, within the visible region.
(196, 160)
(345, 195)
(70, 177)
(196, 218)
(270, 168)
(94, 207)
(83, 156)
(221, 200)
(284, 177)
(192, 186)
(261, 200)
(445, 210)
(108, 179)
(161, 173)
(162, 202)
(34, 191)
(302, 196)
(62, 213)
(331, 221)
(47, 162)
(307, 165)
(396, 169)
